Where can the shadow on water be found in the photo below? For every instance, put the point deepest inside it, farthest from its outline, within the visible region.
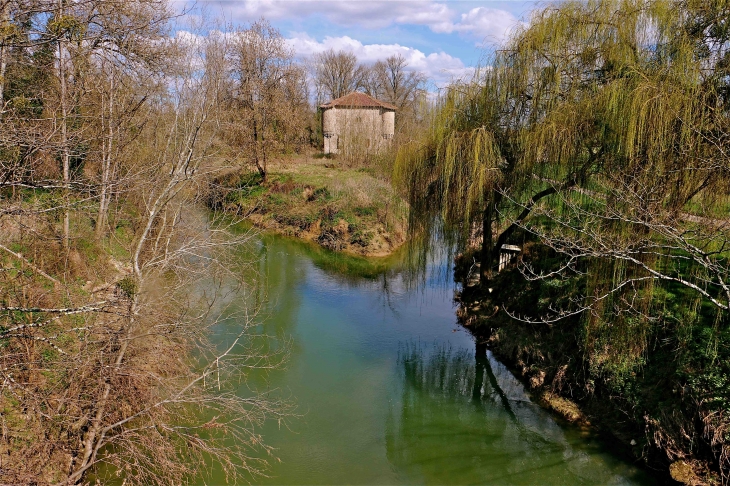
(463, 417)
(352, 268)
(380, 406)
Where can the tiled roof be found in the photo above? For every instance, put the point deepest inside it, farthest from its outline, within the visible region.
(358, 100)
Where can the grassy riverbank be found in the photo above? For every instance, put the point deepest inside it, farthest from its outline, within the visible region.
(659, 387)
(343, 208)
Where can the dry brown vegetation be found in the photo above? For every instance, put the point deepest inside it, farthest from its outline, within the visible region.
(113, 133)
(319, 199)
(110, 278)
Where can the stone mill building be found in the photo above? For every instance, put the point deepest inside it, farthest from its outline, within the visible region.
(357, 123)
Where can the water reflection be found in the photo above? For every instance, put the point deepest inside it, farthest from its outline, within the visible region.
(347, 268)
(387, 392)
(281, 268)
(498, 436)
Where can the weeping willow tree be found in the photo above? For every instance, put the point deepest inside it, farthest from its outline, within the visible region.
(522, 129)
(651, 231)
(602, 129)
(657, 201)
(615, 109)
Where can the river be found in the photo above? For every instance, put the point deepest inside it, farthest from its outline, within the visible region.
(388, 388)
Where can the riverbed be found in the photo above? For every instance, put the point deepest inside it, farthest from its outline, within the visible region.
(389, 389)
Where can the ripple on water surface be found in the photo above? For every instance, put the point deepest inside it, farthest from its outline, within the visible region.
(390, 390)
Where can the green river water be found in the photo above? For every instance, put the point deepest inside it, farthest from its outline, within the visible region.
(389, 390)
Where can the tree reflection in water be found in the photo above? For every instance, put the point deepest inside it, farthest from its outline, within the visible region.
(461, 414)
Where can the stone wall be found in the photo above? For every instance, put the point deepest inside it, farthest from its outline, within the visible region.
(357, 130)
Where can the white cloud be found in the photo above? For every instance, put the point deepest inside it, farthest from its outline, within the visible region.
(482, 25)
(369, 14)
(489, 25)
(188, 38)
(481, 22)
(434, 15)
(440, 67)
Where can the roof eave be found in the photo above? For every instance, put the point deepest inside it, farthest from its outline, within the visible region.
(391, 108)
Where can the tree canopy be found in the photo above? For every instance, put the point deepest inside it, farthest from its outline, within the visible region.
(614, 105)
(337, 73)
(600, 132)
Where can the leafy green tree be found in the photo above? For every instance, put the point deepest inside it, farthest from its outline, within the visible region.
(601, 130)
(477, 164)
(594, 93)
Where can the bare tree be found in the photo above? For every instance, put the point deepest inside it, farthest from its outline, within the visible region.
(120, 371)
(266, 97)
(158, 247)
(127, 56)
(391, 81)
(337, 73)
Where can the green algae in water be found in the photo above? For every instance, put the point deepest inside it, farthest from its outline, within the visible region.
(390, 391)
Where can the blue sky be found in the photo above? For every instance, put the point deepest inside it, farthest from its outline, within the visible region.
(444, 39)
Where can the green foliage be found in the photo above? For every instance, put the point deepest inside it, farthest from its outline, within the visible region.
(66, 26)
(360, 238)
(340, 207)
(128, 286)
(619, 108)
(275, 199)
(321, 193)
(49, 355)
(713, 389)
(365, 211)
(88, 248)
(248, 180)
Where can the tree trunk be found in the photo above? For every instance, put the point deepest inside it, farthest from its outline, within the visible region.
(3, 55)
(106, 160)
(259, 167)
(65, 156)
(3, 67)
(485, 270)
(527, 208)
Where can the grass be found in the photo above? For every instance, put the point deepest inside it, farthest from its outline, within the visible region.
(341, 207)
(709, 206)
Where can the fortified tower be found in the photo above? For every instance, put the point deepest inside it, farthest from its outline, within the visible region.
(357, 123)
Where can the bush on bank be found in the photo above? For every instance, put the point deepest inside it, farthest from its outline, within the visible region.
(661, 385)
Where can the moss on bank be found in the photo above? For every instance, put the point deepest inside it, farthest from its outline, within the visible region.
(341, 208)
(659, 385)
